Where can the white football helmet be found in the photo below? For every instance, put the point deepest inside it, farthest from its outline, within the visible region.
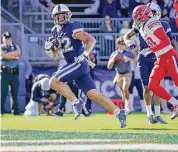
(155, 7)
(61, 8)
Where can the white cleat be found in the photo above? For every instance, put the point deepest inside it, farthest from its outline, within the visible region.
(175, 112)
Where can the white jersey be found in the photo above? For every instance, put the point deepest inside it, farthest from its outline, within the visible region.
(148, 33)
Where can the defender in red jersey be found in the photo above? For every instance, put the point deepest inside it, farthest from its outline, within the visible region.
(153, 33)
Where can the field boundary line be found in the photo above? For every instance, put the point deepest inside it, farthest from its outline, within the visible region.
(69, 147)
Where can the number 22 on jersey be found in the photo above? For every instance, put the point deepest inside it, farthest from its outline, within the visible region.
(66, 44)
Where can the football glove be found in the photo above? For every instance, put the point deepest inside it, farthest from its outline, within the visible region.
(83, 56)
(52, 47)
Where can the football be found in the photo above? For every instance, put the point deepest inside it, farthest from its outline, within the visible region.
(118, 58)
(52, 47)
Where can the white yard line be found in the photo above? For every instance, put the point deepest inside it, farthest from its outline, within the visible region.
(64, 141)
(154, 147)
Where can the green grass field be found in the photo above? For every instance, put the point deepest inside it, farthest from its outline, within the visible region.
(101, 132)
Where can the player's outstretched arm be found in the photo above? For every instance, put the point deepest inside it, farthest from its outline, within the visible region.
(128, 35)
(164, 40)
(87, 39)
(111, 60)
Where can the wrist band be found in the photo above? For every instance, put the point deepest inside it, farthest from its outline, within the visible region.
(86, 53)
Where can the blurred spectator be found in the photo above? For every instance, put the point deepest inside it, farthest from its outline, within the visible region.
(4, 4)
(47, 3)
(125, 27)
(107, 27)
(31, 6)
(154, 1)
(133, 4)
(27, 5)
(109, 7)
(124, 6)
(10, 53)
(168, 4)
(145, 1)
(44, 2)
(26, 72)
(13, 7)
(165, 14)
(93, 8)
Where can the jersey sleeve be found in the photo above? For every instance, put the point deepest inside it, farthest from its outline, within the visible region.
(154, 25)
(164, 40)
(54, 32)
(167, 29)
(76, 27)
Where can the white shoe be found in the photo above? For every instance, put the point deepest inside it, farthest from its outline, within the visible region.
(175, 112)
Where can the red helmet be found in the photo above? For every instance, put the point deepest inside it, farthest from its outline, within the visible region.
(141, 14)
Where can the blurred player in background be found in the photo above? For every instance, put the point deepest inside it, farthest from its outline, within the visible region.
(154, 35)
(123, 69)
(67, 37)
(42, 96)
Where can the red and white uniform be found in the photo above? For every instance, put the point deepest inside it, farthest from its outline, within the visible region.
(167, 57)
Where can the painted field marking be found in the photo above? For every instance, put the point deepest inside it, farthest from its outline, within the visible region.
(164, 147)
(63, 141)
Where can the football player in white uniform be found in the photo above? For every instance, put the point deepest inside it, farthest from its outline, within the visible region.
(153, 33)
(146, 61)
(155, 36)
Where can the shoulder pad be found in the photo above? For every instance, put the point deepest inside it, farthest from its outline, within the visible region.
(153, 24)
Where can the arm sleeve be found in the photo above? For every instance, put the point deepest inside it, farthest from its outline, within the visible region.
(164, 40)
(54, 32)
(35, 93)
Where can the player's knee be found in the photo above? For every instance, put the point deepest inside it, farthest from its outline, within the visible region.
(152, 84)
(93, 95)
(126, 90)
